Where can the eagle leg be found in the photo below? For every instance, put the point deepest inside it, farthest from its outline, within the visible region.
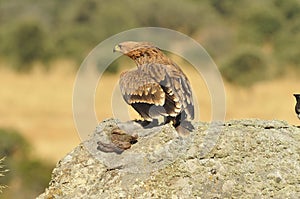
(148, 124)
(183, 127)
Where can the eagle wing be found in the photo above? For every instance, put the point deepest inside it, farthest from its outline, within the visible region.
(164, 86)
(176, 86)
(138, 87)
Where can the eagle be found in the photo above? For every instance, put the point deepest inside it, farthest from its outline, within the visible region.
(157, 87)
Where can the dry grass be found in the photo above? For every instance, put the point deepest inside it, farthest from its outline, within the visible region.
(266, 100)
(39, 104)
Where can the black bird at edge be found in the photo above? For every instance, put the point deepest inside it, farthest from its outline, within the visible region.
(297, 106)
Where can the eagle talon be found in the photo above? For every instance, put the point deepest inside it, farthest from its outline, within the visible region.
(148, 124)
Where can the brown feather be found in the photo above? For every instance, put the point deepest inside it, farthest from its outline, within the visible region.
(158, 86)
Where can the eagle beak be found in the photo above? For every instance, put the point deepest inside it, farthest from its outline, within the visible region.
(117, 48)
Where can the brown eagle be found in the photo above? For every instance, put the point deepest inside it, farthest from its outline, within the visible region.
(158, 87)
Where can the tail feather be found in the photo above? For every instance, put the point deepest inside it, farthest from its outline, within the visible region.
(185, 128)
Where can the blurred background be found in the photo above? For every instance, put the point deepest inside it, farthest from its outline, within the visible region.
(254, 43)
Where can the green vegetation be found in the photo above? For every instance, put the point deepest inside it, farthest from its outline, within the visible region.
(245, 68)
(27, 176)
(28, 44)
(41, 31)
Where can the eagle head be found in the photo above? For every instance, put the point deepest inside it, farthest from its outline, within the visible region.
(141, 52)
(129, 46)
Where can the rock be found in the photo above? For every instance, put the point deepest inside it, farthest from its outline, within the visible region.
(237, 159)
